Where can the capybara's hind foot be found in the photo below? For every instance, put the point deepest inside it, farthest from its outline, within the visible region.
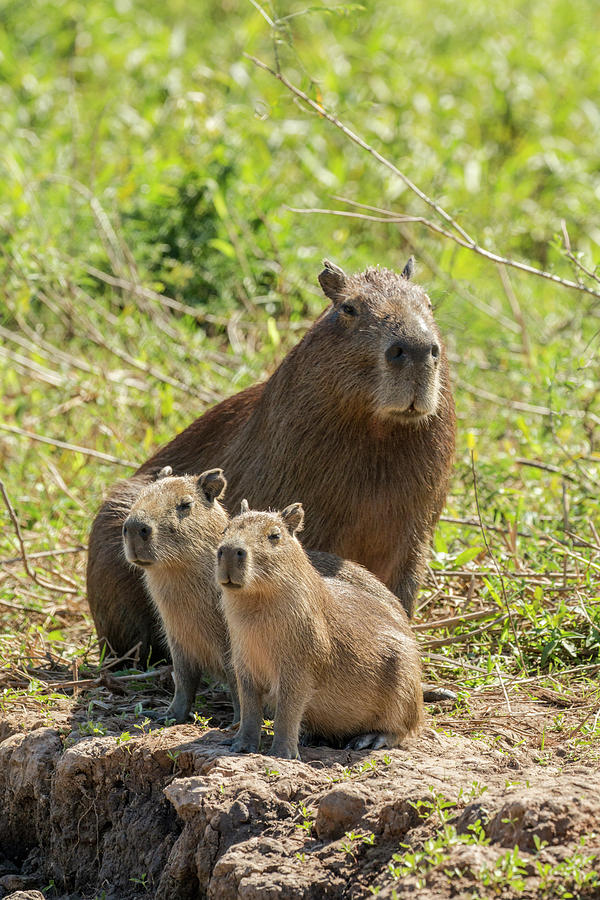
(433, 694)
(374, 740)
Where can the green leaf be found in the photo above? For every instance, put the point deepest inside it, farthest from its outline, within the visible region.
(467, 555)
(223, 247)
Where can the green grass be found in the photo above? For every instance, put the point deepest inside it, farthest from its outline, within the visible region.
(141, 148)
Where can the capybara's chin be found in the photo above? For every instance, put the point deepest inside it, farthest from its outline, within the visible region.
(409, 417)
(143, 560)
(409, 400)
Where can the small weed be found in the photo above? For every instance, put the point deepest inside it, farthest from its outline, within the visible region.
(475, 791)
(574, 877)
(91, 727)
(508, 873)
(307, 823)
(201, 721)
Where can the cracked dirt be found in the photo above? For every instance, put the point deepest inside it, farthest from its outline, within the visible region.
(171, 813)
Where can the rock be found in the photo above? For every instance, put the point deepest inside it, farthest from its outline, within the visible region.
(174, 815)
(339, 811)
(26, 767)
(396, 819)
(266, 869)
(520, 821)
(25, 895)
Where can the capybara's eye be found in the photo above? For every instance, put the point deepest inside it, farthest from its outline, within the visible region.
(348, 309)
(274, 536)
(184, 504)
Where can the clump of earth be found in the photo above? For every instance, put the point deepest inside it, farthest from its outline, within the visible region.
(170, 812)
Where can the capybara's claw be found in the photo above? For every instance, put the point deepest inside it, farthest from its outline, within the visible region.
(437, 694)
(370, 741)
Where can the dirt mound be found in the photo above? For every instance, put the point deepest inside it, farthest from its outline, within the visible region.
(172, 814)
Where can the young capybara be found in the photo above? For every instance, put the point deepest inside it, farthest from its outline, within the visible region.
(336, 657)
(171, 534)
(357, 421)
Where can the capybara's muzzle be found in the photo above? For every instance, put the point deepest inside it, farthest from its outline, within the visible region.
(232, 564)
(138, 541)
(404, 352)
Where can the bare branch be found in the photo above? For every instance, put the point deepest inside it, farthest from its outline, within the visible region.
(457, 232)
(106, 457)
(60, 589)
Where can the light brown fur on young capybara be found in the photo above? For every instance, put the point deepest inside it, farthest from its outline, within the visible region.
(336, 656)
(171, 534)
(357, 422)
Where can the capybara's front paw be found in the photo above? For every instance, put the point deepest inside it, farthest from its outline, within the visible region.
(284, 751)
(244, 745)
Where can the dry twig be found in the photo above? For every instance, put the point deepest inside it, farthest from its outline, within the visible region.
(33, 575)
(454, 232)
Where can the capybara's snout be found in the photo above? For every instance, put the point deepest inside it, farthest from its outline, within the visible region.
(138, 540)
(232, 564)
(403, 352)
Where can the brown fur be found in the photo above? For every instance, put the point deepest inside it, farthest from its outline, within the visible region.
(335, 653)
(365, 444)
(171, 534)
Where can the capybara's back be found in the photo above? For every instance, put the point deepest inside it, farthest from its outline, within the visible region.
(357, 422)
(375, 682)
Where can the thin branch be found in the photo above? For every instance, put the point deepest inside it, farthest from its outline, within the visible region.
(464, 636)
(33, 575)
(363, 144)
(106, 676)
(577, 263)
(105, 457)
(457, 234)
(456, 620)
(536, 464)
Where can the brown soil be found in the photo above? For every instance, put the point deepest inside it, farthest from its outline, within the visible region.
(170, 813)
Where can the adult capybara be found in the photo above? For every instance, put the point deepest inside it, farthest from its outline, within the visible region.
(335, 654)
(357, 422)
(171, 534)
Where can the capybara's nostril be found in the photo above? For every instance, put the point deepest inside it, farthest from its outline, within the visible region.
(125, 528)
(145, 531)
(241, 554)
(396, 353)
(219, 553)
(435, 350)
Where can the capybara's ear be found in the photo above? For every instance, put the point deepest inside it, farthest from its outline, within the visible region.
(212, 484)
(409, 269)
(244, 507)
(293, 516)
(332, 279)
(164, 472)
